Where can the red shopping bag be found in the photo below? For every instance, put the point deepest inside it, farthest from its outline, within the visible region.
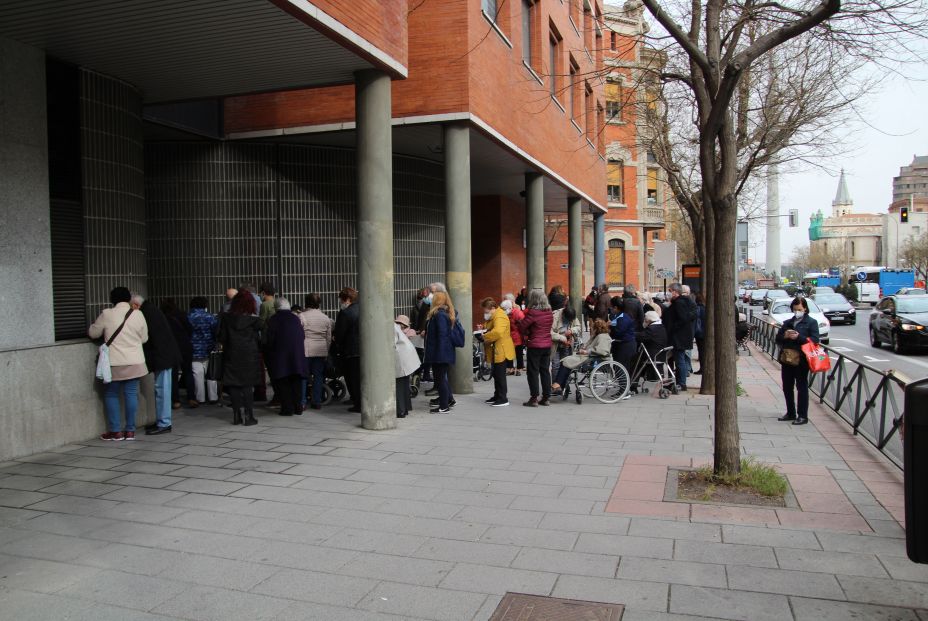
(817, 357)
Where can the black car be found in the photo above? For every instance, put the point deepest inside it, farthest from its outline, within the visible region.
(836, 307)
(901, 321)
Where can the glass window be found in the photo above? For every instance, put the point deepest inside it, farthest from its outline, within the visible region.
(612, 41)
(615, 193)
(552, 67)
(914, 304)
(615, 263)
(527, 7)
(489, 7)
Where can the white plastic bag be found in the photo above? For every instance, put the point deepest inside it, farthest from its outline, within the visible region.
(104, 371)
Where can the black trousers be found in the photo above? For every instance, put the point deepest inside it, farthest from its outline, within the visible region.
(539, 367)
(242, 398)
(798, 378)
(352, 370)
(500, 389)
(288, 394)
(700, 344)
(440, 372)
(520, 356)
(403, 398)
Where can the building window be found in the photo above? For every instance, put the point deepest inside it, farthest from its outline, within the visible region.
(555, 65)
(853, 253)
(615, 170)
(528, 8)
(590, 112)
(652, 159)
(615, 263)
(600, 128)
(656, 235)
(652, 187)
(489, 7)
(613, 41)
(573, 102)
(587, 27)
(575, 12)
(615, 193)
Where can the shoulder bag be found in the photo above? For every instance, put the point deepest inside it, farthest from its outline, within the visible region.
(104, 371)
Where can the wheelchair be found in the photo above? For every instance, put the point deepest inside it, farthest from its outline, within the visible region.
(656, 370)
(599, 377)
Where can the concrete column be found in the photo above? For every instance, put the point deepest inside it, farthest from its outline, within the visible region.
(457, 247)
(534, 231)
(375, 248)
(575, 253)
(599, 248)
(643, 260)
(773, 221)
(25, 236)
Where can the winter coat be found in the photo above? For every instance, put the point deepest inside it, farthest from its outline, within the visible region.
(699, 330)
(807, 327)
(126, 348)
(183, 333)
(438, 346)
(631, 305)
(317, 333)
(603, 304)
(654, 338)
(498, 338)
(204, 332)
(284, 346)
(406, 360)
(161, 350)
(348, 331)
(622, 328)
(515, 316)
(600, 346)
(559, 331)
(681, 322)
(241, 357)
(420, 318)
(536, 328)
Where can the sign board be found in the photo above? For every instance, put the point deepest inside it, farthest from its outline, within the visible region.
(861, 276)
(690, 276)
(665, 256)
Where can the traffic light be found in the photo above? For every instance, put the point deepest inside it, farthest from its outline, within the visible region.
(793, 218)
(904, 214)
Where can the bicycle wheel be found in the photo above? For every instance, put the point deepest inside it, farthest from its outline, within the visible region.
(609, 382)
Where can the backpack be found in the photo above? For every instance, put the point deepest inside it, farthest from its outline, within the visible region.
(457, 333)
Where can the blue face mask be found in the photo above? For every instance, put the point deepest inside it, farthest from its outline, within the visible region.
(427, 300)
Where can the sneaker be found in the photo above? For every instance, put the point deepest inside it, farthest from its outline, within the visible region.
(491, 400)
(499, 403)
(112, 436)
(451, 403)
(129, 436)
(531, 403)
(157, 431)
(440, 410)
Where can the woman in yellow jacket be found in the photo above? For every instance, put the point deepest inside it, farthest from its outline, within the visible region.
(499, 348)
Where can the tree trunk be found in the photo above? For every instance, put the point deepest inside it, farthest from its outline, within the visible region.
(727, 437)
(707, 379)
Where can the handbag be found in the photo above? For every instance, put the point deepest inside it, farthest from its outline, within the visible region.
(104, 370)
(817, 357)
(790, 357)
(214, 365)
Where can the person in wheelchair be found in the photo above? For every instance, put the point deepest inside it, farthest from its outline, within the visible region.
(653, 337)
(597, 348)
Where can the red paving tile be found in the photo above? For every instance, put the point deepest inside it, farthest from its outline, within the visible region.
(812, 470)
(733, 515)
(823, 521)
(873, 476)
(825, 503)
(660, 460)
(648, 508)
(808, 483)
(639, 490)
(639, 472)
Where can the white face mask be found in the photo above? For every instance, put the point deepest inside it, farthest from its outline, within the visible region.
(487, 315)
(429, 298)
(344, 305)
(798, 314)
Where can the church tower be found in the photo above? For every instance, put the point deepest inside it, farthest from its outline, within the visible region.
(842, 204)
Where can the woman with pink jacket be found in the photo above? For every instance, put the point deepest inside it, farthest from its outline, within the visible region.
(536, 333)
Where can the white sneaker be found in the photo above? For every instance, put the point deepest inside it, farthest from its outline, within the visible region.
(499, 404)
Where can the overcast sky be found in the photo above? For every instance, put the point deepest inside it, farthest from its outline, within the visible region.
(899, 130)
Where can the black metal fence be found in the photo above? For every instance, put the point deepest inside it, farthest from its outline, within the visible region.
(867, 398)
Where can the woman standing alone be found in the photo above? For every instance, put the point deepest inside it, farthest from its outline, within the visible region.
(794, 370)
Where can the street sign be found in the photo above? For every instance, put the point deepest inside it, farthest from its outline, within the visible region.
(861, 276)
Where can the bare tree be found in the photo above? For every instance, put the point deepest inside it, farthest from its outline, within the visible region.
(915, 255)
(764, 82)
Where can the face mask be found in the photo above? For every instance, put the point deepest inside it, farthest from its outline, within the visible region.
(508, 310)
(344, 305)
(798, 314)
(428, 299)
(487, 315)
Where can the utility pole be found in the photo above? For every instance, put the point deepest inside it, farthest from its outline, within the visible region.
(773, 221)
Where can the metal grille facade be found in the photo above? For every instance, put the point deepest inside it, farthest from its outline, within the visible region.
(113, 189)
(220, 214)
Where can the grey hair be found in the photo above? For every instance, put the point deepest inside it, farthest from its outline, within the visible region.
(509, 296)
(435, 287)
(282, 304)
(137, 299)
(537, 300)
(676, 287)
(630, 289)
(685, 289)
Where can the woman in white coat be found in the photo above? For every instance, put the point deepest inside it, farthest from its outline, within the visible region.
(407, 362)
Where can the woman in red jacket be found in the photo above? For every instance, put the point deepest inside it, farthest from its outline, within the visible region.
(536, 332)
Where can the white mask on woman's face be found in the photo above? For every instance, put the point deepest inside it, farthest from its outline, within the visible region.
(487, 315)
(429, 297)
(344, 305)
(798, 314)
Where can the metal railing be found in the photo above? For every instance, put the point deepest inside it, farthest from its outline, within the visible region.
(867, 398)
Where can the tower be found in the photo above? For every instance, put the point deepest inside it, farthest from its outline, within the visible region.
(773, 221)
(842, 204)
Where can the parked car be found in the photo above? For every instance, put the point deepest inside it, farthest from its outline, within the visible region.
(836, 307)
(911, 291)
(901, 321)
(775, 294)
(757, 297)
(780, 311)
(817, 290)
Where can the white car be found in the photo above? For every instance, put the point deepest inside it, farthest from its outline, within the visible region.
(780, 311)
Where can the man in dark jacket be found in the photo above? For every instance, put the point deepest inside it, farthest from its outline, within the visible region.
(347, 338)
(285, 356)
(162, 356)
(603, 303)
(681, 322)
(632, 305)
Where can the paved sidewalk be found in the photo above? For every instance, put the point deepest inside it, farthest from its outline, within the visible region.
(313, 517)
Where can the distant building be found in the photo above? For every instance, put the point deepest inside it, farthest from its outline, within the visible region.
(847, 238)
(912, 181)
(910, 189)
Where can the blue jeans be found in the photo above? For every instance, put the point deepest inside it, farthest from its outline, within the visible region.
(315, 366)
(130, 390)
(680, 366)
(163, 397)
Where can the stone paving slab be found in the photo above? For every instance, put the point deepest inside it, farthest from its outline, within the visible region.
(313, 517)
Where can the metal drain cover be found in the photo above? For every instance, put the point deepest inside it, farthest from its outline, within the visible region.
(522, 607)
